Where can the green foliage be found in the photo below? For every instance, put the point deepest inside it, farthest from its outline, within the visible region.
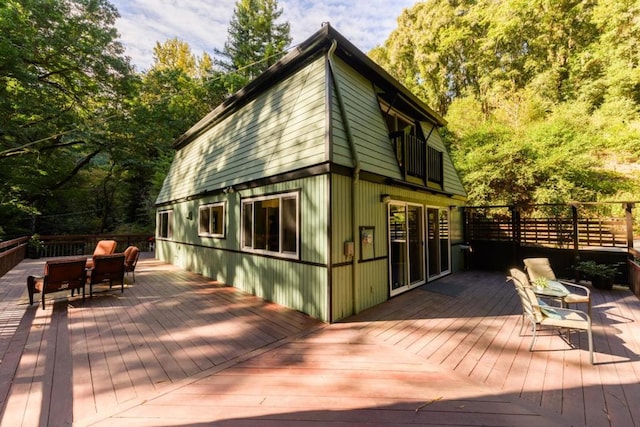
(542, 98)
(592, 269)
(63, 77)
(256, 41)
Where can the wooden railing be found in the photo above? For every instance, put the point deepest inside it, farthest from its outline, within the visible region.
(416, 158)
(11, 253)
(15, 250)
(69, 245)
(634, 271)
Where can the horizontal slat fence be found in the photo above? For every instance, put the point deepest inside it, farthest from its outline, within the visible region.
(553, 232)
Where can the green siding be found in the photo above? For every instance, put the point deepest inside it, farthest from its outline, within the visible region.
(367, 125)
(301, 285)
(280, 130)
(370, 133)
(286, 129)
(373, 283)
(341, 293)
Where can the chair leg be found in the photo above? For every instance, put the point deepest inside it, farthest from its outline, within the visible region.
(43, 299)
(522, 324)
(589, 335)
(534, 329)
(31, 288)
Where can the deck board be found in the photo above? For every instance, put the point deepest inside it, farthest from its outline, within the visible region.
(175, 341)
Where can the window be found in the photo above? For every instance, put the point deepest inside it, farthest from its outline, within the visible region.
(165, 224)
(211, 220)
(270, 224)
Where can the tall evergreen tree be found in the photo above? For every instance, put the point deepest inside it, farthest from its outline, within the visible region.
(255, 42)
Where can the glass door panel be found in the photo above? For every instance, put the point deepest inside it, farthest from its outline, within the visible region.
(433, 241)
(406, 246)
(438, 245)
(397, 246)
(443, 226)
(415, 223)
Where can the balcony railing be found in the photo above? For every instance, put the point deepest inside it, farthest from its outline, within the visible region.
(416, 158)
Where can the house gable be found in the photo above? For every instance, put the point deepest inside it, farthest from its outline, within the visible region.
(368, 109)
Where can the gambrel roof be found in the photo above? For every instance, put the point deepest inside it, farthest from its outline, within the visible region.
(318, 44)
(288, 121)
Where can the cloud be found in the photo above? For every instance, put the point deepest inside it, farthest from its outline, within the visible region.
(203, 24)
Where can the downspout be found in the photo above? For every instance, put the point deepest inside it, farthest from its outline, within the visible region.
(355, 277)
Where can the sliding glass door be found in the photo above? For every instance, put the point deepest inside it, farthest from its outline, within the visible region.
(438, 253)
(406, 246)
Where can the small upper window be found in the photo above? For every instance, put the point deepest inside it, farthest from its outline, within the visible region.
(211, 220)
(165, 224)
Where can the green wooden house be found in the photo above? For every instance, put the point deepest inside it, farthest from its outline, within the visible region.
(323, 185)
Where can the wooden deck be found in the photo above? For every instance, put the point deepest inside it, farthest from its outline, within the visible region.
(180, 349)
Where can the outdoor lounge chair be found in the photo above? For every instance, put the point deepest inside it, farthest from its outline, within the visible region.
(131, 255)
(540, 314)
(59, 275)
(540, 267)
(104, 247)
(106, 269)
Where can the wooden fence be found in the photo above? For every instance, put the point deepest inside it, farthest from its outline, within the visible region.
(501, 236)
(551, 232)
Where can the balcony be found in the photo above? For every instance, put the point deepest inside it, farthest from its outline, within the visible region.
(417, 159)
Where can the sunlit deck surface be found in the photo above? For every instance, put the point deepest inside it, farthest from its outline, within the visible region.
(179, 349)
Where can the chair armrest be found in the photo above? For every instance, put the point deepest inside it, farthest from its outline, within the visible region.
(570, 310)
(586, 290)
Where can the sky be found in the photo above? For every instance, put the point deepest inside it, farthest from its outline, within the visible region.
(203, 23)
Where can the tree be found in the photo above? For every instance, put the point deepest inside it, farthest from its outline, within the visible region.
(63, 76)
(175, 54)
(175, 93)
(541, 96)
(255, 42)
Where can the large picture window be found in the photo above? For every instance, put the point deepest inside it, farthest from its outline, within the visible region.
(165, 224)
(270, 224)
(211, 220)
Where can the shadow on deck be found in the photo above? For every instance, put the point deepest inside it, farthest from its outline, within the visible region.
(180, 349)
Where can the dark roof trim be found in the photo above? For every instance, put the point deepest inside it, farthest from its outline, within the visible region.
(305, 52)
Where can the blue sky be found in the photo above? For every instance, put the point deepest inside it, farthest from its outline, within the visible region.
(203, 23)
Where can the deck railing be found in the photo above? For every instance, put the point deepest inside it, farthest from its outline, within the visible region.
(11, 253)
(15, 250)
(634, 271)
(418, 159)
(501, 236)
(69, 245)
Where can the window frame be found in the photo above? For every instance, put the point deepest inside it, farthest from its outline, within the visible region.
(280, 253)
(223, 220)
(165, 216)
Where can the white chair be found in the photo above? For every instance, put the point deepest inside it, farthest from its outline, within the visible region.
(540, 267)
(540, 315)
